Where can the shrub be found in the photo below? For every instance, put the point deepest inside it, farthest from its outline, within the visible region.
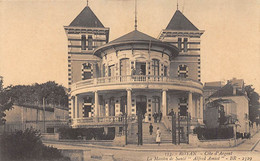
(25, 145)
(214, 133)
(88, 134)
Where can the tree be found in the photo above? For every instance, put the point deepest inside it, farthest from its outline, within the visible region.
(253, 102)
(51, 92)
(1, 83)
(5, 101)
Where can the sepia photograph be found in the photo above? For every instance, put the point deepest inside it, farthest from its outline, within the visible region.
(129, 80)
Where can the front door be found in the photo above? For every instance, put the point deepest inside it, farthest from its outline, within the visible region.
(141, 105)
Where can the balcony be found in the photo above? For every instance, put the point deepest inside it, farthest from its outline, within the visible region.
(136, 81)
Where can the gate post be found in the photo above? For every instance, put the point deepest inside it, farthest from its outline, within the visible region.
(188, 132)
(140, 127)
(179, 128)
(174, 128)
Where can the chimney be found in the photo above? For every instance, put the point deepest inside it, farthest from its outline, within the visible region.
(234, 90)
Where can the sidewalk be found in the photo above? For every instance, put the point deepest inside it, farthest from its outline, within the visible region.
(246, 145)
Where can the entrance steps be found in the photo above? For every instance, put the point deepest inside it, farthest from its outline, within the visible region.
(166, 136)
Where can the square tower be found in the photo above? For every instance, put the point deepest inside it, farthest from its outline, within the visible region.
(85, 34)
(184, 35)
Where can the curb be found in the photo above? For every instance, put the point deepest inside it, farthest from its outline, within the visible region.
(148, 150)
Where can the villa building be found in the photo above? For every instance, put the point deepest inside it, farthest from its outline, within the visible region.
(133, 74)
(234, 104)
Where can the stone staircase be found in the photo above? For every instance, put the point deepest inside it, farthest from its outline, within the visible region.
(166, 136)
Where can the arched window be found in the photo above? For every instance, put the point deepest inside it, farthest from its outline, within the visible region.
(87, 107)
(165, 71)
(112, 106)
(156, 104)
(104, 70)
(124, 67)
(155, 66)
(183, 106)
(183, 71)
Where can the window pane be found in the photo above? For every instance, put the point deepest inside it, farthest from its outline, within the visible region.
(83, 42)
(179, 44)
(90, 42)
(185, 44)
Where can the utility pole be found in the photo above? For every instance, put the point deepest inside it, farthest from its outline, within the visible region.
(43, 106)
(125, 128)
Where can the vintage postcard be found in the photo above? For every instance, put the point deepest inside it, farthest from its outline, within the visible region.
(129, 80)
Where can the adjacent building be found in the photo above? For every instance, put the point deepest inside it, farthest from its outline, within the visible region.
(46, 119)
(233, 103)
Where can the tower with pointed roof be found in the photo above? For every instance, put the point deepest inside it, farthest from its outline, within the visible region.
(186, 36)
(85, 33)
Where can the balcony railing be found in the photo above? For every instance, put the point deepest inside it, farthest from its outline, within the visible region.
(103, 120)
(137, 79)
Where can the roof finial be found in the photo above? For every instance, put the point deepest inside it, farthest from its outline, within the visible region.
(177, 4)
(135, 14)
(87, 2)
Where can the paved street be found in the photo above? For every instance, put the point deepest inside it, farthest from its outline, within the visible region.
(247, 151)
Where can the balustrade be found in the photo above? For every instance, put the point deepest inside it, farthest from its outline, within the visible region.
(136, 78)
(105, 119)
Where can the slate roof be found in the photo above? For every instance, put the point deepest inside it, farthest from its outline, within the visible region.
(134, 36)
(87, 18)
(180, 22)
(227, 90)
(213, 85)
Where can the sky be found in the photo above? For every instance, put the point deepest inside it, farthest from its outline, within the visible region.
(33, 43)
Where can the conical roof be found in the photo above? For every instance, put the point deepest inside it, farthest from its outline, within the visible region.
(180, 22)
(87, 18)
(134, 36)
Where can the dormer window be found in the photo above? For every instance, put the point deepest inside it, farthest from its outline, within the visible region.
(90, 42)
(185, 43)
(179, 44)
(83, 42)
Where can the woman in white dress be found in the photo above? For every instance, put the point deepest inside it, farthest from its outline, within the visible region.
(158, 136)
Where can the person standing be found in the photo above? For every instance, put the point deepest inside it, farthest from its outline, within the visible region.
(171, 113)
(155, 117)
(151, 128)
(158, 136)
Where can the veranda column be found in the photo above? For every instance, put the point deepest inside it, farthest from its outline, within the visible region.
(164, 102)
(72, 107)
(129, 101)
(190, 106)
(96, 104)
(76, 107)
(201, 107)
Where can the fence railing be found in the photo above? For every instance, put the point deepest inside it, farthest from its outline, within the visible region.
(103, 119)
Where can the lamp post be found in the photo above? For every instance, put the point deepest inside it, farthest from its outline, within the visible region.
(235, 137)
